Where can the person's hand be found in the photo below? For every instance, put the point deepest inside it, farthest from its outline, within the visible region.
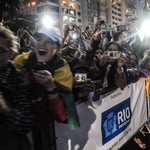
(134, 72)
(78, 30)
(89, 34)
(45, 78)
(88, 86)
(121, 61)
(86, 89)
(26, 33)
(96, 27)
(96, 95)
(20, 32)
(99, 35)
(66, 31)
(25, 78)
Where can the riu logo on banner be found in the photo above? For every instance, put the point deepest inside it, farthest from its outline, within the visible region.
(115, 120)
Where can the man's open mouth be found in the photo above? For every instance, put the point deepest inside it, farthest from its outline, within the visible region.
(42, 52)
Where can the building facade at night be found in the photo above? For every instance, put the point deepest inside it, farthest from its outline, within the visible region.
(84, 12)
(61, 12)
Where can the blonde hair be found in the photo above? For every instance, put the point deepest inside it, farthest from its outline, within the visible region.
(10, 37)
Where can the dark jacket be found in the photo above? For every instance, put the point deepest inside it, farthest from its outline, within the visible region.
(15, 126)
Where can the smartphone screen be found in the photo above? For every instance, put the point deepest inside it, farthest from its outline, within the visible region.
(114, 54)
(122, 28)
(40, 66)
(107, 27)
(80, 77)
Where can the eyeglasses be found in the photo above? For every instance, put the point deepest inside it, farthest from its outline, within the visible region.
(3, 50)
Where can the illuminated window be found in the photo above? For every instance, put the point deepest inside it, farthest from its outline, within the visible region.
(64, 11)
(65, 18)
(72, 12)
(33, 3)
(72, 19)
(72, 5)
(78, 7)
(64, 3)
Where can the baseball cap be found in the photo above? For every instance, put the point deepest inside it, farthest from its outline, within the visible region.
(52, 32)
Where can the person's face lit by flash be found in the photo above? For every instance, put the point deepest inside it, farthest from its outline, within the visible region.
(45, 48)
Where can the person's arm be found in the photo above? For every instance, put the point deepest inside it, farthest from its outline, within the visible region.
(66, 33)
(55, 102)
(56, 106)
(18, 118)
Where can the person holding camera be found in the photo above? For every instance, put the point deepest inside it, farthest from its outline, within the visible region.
(117, 72)
(50, 87)
(73, 37)
(15, 108)
(113, 66)
(82, 83)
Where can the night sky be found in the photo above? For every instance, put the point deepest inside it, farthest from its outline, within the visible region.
(1, 8)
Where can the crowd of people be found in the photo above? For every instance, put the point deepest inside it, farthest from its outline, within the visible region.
(44, 74)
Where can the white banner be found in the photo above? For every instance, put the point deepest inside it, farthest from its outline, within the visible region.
(116, 118)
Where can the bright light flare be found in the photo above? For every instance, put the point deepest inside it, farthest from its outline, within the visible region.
(146, 27)
(47, 21)
(145, 30)
(74, 36)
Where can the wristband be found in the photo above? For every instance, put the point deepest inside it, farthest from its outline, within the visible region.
(54, 91)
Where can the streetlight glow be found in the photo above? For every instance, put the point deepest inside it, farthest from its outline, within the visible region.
(145, 30)
(47, 21)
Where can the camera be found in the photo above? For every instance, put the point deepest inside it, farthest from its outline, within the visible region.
(80, 77)
(101, 22)
(106, 34)
(114, 54)
(72, 52)
(71, 27)
(40, 66)
(122, 28)
(74, 36)
(107, 27)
